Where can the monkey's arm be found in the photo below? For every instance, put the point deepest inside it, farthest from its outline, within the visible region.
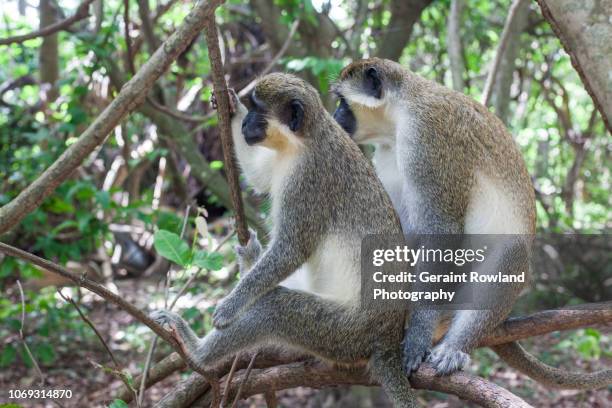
(279, 260)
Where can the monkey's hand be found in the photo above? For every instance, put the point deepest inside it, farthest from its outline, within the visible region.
(228, 310)
(248, 254)
(416, 348)
(234, 101)
(447, 359)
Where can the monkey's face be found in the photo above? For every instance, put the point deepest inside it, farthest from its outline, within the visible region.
(363, 101)
(278, 111)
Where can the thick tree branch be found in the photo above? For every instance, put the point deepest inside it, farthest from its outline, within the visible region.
(319, 375)
(587, 38)
(81, 12)
(404, 14)
(131, 95)
(501, 49)
(513, 329)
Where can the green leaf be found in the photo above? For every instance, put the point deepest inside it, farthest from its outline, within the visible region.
(168, 221)
(212, 261)
(44, 352)
(8, 355)
(216, 164)
(7, 266)
(118, 404)
(172, 247)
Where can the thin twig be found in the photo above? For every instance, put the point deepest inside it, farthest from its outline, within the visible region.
(501, 49)
(230, 376)
(81, 12)
(21, 335)
(92, 326)
(128, 41)
(271, 401)
(118, 368)
(244, 380)
(95, 287)
(223, 110)
(145, 371)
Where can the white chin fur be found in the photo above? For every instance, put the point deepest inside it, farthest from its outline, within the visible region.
(361, 99)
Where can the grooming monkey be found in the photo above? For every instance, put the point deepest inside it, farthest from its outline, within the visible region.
(450, 167)
(325, 199)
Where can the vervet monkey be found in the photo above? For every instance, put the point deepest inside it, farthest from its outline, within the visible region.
(450, 167)
(325, 199)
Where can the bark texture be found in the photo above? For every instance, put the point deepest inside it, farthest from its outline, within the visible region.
(404, 14)
(48, 53)
(585, 30)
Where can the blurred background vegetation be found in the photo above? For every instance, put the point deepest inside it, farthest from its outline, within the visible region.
(163, 166)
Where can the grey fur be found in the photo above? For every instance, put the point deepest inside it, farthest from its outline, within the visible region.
(454, 137)
(331, 191)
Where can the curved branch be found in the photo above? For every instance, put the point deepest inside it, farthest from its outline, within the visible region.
(130, 96)
(471, 388)
(319, 375)
(85, 282)
(537, 324)
(288, 373)
(81, 12)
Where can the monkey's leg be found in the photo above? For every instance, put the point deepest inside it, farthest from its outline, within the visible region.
(418, 337)
(290, 317)
(425, 318)
(386, 368)
(469, 327)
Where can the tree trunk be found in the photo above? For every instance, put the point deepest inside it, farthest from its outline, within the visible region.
(586, 34)
(455, 48)
(404, 14)
(48, 55)
(21, 7)
(505, 76)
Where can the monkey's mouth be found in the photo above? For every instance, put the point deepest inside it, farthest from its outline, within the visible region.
(254, 133)
(254, 136)
(253, 140)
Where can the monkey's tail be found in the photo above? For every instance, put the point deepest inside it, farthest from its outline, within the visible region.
(518, 358)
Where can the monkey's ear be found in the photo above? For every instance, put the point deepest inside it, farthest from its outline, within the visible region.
(296, 118)
(372, 82)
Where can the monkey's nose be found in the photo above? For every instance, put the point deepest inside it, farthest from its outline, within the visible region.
(253, 135)
(345, 118)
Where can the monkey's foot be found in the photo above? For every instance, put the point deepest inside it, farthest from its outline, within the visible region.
(447, 359)
(248, 254)
(415, 353)
(233, 98)
(169, 321)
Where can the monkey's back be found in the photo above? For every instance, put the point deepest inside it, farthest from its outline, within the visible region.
(468, 141)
